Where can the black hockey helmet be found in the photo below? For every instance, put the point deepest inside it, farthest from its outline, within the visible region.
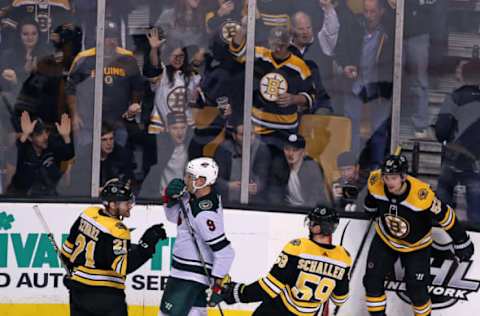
(395, 164)
(324, 216)
(116, 190)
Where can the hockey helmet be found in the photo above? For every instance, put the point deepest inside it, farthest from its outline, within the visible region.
(324, 216)
(202, 167)
(116, 190)
(395, 164)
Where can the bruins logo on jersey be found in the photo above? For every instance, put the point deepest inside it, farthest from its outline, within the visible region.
(373, 179)
(397, 225)
(176, 99)
(272, 85)
(229, 29)
(422, 194)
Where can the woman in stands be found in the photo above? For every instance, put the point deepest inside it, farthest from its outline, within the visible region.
(18, 61)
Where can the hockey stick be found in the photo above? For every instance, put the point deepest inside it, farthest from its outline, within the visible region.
(357, 257)
(51, 238)
(197, 247)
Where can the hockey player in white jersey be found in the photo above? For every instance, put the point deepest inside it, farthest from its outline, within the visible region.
(185, 293)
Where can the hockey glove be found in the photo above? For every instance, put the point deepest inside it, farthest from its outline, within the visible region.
(214, 293)
(151, 237)
(231, 292)
(463, 249)
(175, 189)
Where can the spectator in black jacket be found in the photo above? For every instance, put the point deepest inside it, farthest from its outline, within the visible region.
(298, 180)
(39, 157)
(458, 127)
(172, 156)
(115, 160)
(229, 159)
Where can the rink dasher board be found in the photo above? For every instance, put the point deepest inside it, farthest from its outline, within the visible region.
(30, 275)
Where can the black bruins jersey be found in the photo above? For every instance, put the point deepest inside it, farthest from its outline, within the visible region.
(123, 83)
(96, 250)
(272, 78)
(405, 221)
(304, 277)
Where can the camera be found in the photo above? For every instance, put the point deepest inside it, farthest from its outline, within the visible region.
(349, 192)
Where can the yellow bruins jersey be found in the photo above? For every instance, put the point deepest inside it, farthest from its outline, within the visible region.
(271, 79)
(96, 249)
(405, 221)
(304, 277)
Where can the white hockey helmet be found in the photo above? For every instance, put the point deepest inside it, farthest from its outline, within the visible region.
(203, 167)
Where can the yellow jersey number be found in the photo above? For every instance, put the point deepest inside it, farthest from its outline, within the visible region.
(310, 285)
(81, 244)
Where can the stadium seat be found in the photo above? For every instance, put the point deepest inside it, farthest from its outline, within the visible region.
(326, 137)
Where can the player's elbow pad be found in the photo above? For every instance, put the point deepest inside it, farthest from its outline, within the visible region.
(223, 260)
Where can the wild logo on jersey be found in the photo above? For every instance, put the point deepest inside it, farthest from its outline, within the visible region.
(229, 29)
(450, 282)
(272, 85)
(176, 99)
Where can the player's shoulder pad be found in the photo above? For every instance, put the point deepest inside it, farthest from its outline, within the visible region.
(106, 224)
(343, 255)
(375, 183)
(295, 246)
(124, 52)
(420, 196)
(209, 202)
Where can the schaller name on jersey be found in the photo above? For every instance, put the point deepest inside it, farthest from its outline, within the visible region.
(322, 268)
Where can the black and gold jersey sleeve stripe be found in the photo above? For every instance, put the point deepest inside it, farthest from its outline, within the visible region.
(98, 277)
(119, 265)
(339, 300)
(67, 249)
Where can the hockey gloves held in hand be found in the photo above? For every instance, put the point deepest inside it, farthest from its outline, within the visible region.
(151, 237)
(463, 249)
(231, 292)
(214, 293)
(174, 191)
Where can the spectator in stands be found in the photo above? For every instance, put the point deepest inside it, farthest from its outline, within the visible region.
(176, 83)
(458, 126)
(229, 159)
(348, 190)
(367, 61)
(115, 160)
(307, 47)
(297, 179)
(282, 87)
(122, 92)
(19, 60)
(40, 155)
(421, 19)
(47, 14)
(172, 156)
(185, 22)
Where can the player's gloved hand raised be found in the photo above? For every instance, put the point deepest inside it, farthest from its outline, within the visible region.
(175, 189)
(151, 237)
(463, 249)
(231, 292)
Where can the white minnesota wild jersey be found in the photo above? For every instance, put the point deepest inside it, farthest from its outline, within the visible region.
(172, 97)
(205, 214)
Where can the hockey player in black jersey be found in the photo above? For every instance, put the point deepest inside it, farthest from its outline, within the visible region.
(404, 208)
(307, 273)
(99, 254)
